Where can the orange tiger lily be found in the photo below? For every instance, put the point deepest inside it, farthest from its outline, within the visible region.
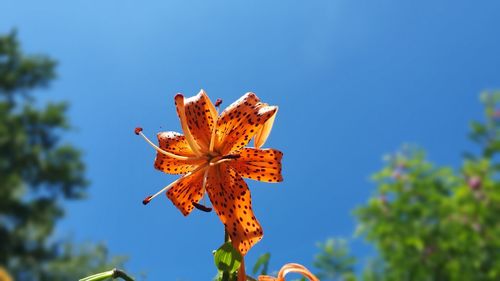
(290, 268)
(211, 156)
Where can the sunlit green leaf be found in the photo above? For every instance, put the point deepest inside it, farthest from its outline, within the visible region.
(227, 258)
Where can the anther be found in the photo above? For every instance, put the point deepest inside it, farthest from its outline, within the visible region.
(178, 96)
(218, 102)
(147, 200)
(231, 156)
(202, 207)
(139, 132)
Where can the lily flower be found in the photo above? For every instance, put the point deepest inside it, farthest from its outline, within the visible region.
(212, 157)
(290, 268)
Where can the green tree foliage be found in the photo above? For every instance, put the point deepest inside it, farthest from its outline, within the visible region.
(431, 222)
(334, 261)
(37, 172)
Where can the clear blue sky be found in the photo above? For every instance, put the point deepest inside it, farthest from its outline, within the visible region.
(353, 80)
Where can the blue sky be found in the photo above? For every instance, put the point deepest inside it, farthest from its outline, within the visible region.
(353, 80)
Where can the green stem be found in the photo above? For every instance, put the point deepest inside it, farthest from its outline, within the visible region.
(98, 276)
(121, 274)
(226, 235)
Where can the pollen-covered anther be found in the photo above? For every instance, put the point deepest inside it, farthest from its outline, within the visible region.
(137, 130)
(231, 156)
(147, 200)
(202, 207)
(218, 102)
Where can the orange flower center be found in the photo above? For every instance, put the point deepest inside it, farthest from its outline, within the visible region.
(212, 158)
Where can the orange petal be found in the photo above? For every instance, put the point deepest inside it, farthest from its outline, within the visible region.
(259, 164)
(240, 121)
(186, 191)
(264, 131)
(266, 278)
(175, 143)
(296, 268)
(290, 268)
(197, 115)
(232, 202)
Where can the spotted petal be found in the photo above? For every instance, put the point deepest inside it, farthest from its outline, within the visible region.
(185, 191)
(197, 115)
(264, 131)
(232, 202)
(240, 121)
(259, 164)
(175, 143)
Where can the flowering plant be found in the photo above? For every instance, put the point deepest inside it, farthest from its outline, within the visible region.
(212, 157)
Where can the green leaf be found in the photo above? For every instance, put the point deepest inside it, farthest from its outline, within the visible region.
(227, 258)
(262, 261)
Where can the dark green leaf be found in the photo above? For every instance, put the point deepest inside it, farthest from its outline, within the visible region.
(262, 261)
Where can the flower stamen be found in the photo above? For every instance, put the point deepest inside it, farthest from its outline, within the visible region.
(205, 178)
(215, 163)
(231, 156)
(138, 131)
(202, 207)
(166, 188)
